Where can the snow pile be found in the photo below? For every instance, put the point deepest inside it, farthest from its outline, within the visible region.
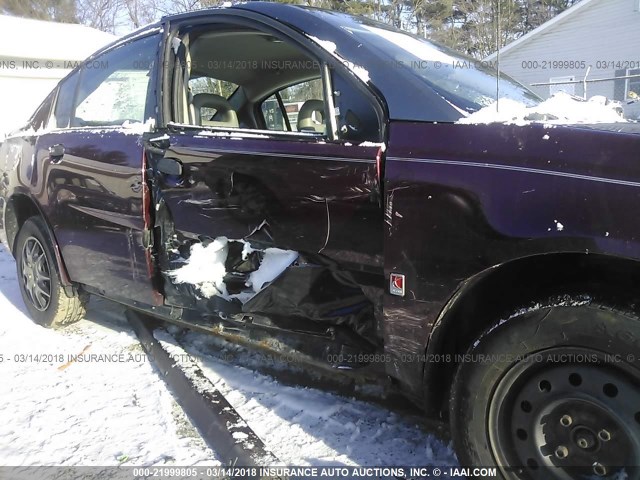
(138, 128)
(233, 135)
(561, 108)
(382, 145)
(206, 269)
(328, 45)
(128, 128)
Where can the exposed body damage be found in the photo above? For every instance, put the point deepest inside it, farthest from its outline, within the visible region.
(233, 279)
(272, 234)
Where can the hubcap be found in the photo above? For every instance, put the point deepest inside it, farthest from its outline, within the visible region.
(36, 274)
(568, 409)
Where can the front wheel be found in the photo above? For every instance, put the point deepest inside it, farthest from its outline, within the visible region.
(45, 298)
(552, 393)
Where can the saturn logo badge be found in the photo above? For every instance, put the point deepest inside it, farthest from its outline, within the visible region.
(396, 284)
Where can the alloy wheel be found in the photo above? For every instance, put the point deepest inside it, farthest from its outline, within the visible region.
(36, 274)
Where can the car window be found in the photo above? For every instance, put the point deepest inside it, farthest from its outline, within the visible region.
(211, 85)
(64, 101)
(222, 74)
(467, 84)
(286, 116)
(117, 91)
(41, 116)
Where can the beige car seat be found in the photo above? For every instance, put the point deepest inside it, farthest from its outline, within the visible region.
(224, 111)
(311, 117)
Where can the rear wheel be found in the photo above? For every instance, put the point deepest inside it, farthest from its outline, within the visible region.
(553, 393)
(46, 300)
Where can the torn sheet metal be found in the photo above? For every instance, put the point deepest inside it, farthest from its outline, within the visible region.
(280, 284)
(318, 293)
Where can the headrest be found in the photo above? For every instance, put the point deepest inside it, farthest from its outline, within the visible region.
(307, 121)
(226, 115)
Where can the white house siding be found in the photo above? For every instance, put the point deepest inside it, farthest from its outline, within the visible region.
(601, 32)
(21, 91)
(34, 56)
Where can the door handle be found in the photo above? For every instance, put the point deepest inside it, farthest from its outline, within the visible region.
(56, 152)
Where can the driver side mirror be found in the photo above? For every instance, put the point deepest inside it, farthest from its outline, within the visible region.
(351, 126)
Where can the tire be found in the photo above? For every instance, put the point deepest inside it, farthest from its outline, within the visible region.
(552, 393)
(39, 279)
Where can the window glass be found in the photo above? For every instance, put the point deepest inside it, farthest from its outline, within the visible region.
(211, 85)
(64, 102)
(303, 107)
(41, 117)
(115, 89)
(273, 114)
(470, 88)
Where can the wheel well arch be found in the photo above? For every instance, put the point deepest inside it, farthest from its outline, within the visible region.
(500, 291)
(19, 208)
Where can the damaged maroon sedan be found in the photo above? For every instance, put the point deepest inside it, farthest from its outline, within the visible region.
(272, 171)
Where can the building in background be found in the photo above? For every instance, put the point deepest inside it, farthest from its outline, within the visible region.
(601, 34)
(34, 56)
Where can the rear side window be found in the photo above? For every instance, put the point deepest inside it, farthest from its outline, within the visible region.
(64, 101)
(40, 118)
(292, 99)
(114, 87)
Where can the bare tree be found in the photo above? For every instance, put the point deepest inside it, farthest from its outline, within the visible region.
(141, 12)
(57, 10)
(471, 26)
(100, 14)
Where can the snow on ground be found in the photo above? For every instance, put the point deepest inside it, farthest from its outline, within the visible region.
(57, 412)
(110, 412)
(561, 108)
(305, 426)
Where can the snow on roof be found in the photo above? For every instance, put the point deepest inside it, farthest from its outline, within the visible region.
(542, 28)
(37, 39)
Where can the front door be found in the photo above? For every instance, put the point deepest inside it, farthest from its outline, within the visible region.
(253, 162)
(303, 194)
